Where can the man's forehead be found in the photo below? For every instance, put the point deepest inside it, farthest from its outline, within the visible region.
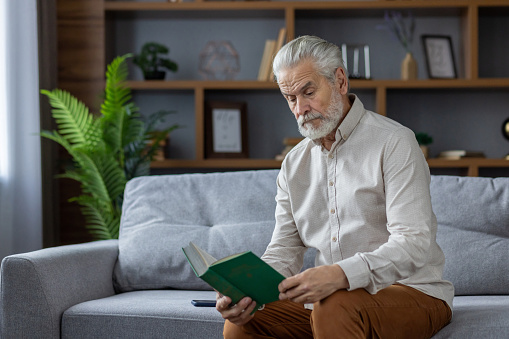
(297, 79)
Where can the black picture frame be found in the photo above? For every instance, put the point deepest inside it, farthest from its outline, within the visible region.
(439, 56)
(226, 130)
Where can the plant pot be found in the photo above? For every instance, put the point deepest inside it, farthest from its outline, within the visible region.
(409, 68)
(157, 75)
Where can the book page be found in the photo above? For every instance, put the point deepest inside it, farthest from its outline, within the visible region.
(207, 258)
(198, 258)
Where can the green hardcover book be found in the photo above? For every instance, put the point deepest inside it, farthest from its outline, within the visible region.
(236, 276)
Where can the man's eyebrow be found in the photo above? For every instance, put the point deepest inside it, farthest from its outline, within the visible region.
(302, 89)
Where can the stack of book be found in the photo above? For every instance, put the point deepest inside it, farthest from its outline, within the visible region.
(460, 154)
(269, 52)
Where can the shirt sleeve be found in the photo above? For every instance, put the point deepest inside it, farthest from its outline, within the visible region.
(409, 218)
(285, 252)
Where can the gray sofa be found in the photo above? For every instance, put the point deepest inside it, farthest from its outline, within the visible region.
(141, 285)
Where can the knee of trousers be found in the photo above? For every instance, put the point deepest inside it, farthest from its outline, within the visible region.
(341, 306)
(232, 331)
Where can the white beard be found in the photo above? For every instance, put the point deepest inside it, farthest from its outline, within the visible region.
(330, 119)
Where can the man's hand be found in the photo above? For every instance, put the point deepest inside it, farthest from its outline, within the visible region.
(239, 314)
(313, 284)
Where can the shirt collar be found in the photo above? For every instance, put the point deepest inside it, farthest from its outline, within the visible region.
(353, 116)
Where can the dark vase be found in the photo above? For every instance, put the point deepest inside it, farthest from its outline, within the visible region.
(156, 75)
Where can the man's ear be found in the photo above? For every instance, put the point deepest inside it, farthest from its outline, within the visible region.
(341, 81)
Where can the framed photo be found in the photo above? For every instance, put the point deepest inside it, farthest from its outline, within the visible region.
(439, 56)
(225, 130)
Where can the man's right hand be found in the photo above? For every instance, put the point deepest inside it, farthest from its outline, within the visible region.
(239, 314)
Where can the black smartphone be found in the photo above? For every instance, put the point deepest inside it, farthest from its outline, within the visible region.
(204, 303)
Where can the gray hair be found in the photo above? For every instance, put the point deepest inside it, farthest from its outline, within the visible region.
(326, 56)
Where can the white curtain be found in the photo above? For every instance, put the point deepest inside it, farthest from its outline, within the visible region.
(20, 149)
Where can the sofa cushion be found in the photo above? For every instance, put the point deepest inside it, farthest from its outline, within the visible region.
(477, 317)
(224, 213)
(144, 314)
(473, 231)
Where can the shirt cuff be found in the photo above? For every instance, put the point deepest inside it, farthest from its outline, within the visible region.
(356, 272)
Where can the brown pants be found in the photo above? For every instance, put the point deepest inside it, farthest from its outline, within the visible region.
(395, 312)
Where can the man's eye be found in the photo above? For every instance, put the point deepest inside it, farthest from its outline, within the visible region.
(309, 93)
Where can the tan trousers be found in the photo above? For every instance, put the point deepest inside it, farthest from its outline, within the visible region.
(395, 312)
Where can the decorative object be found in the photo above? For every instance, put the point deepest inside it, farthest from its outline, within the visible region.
(107, 150)
(439, 56)
(404, 33)
(423, 139)
(219, 61)
(358, 52)
(460, 154)
(226, 130)
(153, 65)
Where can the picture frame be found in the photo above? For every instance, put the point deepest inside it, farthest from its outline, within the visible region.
(226, 130)
(439, 56)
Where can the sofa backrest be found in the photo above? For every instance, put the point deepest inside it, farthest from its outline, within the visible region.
(223, 213)
(473, 231)
(227, 213)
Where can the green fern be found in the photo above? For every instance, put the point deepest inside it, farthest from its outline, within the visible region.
(107, 150)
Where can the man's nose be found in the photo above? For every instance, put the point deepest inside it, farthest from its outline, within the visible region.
(301, 107)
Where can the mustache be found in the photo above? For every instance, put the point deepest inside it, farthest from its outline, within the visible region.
(308, 117)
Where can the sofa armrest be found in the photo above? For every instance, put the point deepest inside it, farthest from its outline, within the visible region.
(37, 287)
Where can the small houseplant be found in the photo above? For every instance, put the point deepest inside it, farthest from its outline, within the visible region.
(423, 139)
(151, 63)
(107, 150)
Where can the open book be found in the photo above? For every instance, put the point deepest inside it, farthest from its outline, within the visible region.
(237, 276)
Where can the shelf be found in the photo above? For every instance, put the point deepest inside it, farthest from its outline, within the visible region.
(364, 84)
(472, 164)
(218, 163)
(271, 5)
(464, 13)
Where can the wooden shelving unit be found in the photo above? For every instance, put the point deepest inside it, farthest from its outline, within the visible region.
(466, 10)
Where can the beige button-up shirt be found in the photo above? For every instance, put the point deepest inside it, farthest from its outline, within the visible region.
(364, 205)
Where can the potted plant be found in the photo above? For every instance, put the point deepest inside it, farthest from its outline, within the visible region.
(153, 65)
(423, 139)
(107, 150)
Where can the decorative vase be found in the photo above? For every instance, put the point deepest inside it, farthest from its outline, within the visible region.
(409, 68)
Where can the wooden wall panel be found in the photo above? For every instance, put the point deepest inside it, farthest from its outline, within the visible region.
(81, 70)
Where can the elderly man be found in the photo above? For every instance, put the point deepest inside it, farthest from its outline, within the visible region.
(357, 190)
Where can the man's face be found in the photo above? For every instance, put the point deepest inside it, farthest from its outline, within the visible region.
(312, 99)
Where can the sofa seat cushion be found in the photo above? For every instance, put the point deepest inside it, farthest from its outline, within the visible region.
(144, 314)
(477, 317)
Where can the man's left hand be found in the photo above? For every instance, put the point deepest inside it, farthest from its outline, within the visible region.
(313, 284)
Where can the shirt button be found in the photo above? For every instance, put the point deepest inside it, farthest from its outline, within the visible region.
(333, 211)
(334, 239)
(331, 183)
(331, 156)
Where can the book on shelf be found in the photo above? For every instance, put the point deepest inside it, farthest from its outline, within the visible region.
(281, 37)
(269, 52)
(236, 276)
(265, 64)
(460, 154)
